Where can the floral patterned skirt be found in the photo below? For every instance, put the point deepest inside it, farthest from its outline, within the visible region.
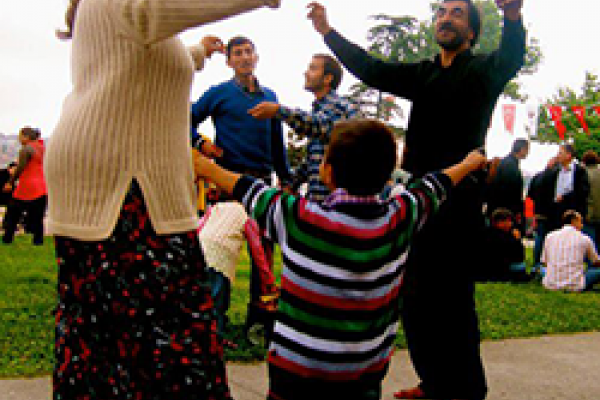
(135, 319)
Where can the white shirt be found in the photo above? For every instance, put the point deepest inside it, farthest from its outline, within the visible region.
(564, 255)
(566, 177)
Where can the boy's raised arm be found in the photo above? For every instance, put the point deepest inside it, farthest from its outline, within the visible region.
(224, 179)
(472, 162)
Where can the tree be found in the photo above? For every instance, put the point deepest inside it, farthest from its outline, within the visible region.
(406, 39)
(566, 98)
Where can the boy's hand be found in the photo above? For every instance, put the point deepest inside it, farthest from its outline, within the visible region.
(203, 165)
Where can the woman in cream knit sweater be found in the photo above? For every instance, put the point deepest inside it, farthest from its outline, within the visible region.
(134, 318)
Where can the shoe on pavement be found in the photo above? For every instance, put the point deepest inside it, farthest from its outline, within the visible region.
(412, 393)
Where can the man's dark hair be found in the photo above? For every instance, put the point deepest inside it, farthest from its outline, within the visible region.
(519, 145)
(474, 19)
(569, 148)
(362, 154)
(332, 67)
(238, 41)
(569, 216)
(590, 158)
(501, 214)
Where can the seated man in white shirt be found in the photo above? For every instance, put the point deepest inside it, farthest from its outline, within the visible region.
(564, 254)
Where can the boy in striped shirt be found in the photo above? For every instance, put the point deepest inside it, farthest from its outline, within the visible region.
(342, 262)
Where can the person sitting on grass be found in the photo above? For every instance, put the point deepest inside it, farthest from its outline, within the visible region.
(343, 260)
(505, 253)
(564, 254)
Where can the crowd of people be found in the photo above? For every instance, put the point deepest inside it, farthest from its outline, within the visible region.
(146, 266)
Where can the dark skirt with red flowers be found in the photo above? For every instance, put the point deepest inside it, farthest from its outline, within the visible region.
(135, 319)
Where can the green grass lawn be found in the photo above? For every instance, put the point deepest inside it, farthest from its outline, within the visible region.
(28, 295)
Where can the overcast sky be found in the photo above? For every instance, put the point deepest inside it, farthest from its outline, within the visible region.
(35, 76)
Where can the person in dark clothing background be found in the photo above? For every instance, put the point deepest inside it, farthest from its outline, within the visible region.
(506, 189)
(453, 97)
(5, 174)
(504, 252)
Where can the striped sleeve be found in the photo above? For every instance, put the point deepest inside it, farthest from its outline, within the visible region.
(425, 196)
(261, 202)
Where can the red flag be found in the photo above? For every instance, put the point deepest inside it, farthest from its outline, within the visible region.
(510, 112)
(579, 112)
(556, 113)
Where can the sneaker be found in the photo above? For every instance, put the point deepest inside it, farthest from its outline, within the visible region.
(412, 393)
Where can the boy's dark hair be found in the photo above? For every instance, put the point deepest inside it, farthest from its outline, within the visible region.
(238, 41)
(519, 145)
(569, 216)
(362, 154)
(474, 19)
(590, 158)
(332, 67)
(501, 214)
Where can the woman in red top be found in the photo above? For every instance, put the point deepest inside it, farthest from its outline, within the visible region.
(30, 194)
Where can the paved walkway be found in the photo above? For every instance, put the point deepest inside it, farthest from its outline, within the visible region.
(546, 368)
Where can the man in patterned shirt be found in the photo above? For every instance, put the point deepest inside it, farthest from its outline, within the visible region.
(323, 77)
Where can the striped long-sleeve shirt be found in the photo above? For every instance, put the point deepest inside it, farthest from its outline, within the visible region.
(342, 270)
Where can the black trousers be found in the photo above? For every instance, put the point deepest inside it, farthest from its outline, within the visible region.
(438, 311)
(34, 218)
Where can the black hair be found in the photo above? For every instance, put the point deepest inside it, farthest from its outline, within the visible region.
(362, 154)
(474, 19)
(332, 67)
(519, 145)
(238, 41)
(30, 133)
(569, 216)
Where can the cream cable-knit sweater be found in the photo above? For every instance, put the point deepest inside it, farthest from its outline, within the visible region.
(128, 115)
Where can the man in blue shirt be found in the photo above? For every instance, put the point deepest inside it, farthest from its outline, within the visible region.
(244, 144)
(323, 77)
(249, 146)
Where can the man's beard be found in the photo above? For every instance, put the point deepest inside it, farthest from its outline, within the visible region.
(314, 87)
(452, 44)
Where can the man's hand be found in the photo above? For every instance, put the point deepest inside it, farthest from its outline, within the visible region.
(211, 150)
(511, 8)
(264, 110)
(318, 16)
(516, 234)
(211, 45)
(7, 187)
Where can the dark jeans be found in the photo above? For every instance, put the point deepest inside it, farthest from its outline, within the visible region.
(541, 230)
(34, 210)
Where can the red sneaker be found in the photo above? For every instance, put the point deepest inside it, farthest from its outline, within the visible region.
(412, 393)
